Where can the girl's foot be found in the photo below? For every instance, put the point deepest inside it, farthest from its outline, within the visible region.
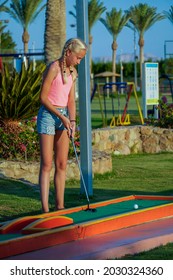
(58, 209)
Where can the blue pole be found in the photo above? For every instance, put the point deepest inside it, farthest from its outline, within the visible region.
(84, 99)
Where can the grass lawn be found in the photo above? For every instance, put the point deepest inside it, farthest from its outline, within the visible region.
(132, 174)
(159, 253)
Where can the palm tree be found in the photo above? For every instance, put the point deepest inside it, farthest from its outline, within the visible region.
(25, 12)
(55, 29)
(142, 17)
(95, 10)
(114, 23)
(169, 14)
(5, 37)
(6, 41)
(2, 26)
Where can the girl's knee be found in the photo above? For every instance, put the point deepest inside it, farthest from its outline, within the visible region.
(46, 167)
(61, 166)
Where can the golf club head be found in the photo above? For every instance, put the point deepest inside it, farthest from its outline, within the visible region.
(91, 209)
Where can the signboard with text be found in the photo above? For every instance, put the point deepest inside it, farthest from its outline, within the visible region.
(150, 85)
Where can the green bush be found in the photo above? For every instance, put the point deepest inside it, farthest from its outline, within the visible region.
(19, 141)
(166, 115)
(165, 112)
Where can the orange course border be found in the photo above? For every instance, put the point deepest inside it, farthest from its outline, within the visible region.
(70, 232)
(47, 223)
(17, 224)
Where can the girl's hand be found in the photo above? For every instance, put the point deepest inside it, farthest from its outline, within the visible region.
(67, 124)
(73, 128)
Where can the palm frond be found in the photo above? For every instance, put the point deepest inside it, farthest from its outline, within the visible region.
(95, 9)
(115, 21)
(25, 12)
(169, 14)
(142, 16)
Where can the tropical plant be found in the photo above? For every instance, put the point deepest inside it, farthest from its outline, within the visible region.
(142, 17)
(165, 112)
(25, 12)
(114, 23)
(19, 93)
(6, 41)
(95, 10)
(169, 14)
(55, 29)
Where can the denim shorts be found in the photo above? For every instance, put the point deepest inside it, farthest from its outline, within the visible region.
(48, 123)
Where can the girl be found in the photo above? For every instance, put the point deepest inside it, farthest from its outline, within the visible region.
(57, 119)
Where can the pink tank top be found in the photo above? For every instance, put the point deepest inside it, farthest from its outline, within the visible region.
(59, 92)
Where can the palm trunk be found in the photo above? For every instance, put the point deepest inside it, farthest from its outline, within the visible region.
(141, 55)
(25, 39)
(114, 49)
(90, 52)
(55, 29)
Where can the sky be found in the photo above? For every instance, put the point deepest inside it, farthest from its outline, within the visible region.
(154, 38)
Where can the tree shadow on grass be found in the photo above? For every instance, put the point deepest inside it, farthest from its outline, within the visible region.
(74, 198)
(23, 199)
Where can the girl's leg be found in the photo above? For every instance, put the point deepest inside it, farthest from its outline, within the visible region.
(46, 151)
(61, 147)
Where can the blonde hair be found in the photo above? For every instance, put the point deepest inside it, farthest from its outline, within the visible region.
(74, 45)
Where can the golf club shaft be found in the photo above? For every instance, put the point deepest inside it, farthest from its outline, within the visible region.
(74, 147)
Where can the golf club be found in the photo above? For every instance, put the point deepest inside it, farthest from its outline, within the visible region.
(77, 159)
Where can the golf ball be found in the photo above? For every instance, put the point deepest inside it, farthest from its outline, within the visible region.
(136, 206)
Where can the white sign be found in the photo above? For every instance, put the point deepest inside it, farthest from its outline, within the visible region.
(150, 85)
